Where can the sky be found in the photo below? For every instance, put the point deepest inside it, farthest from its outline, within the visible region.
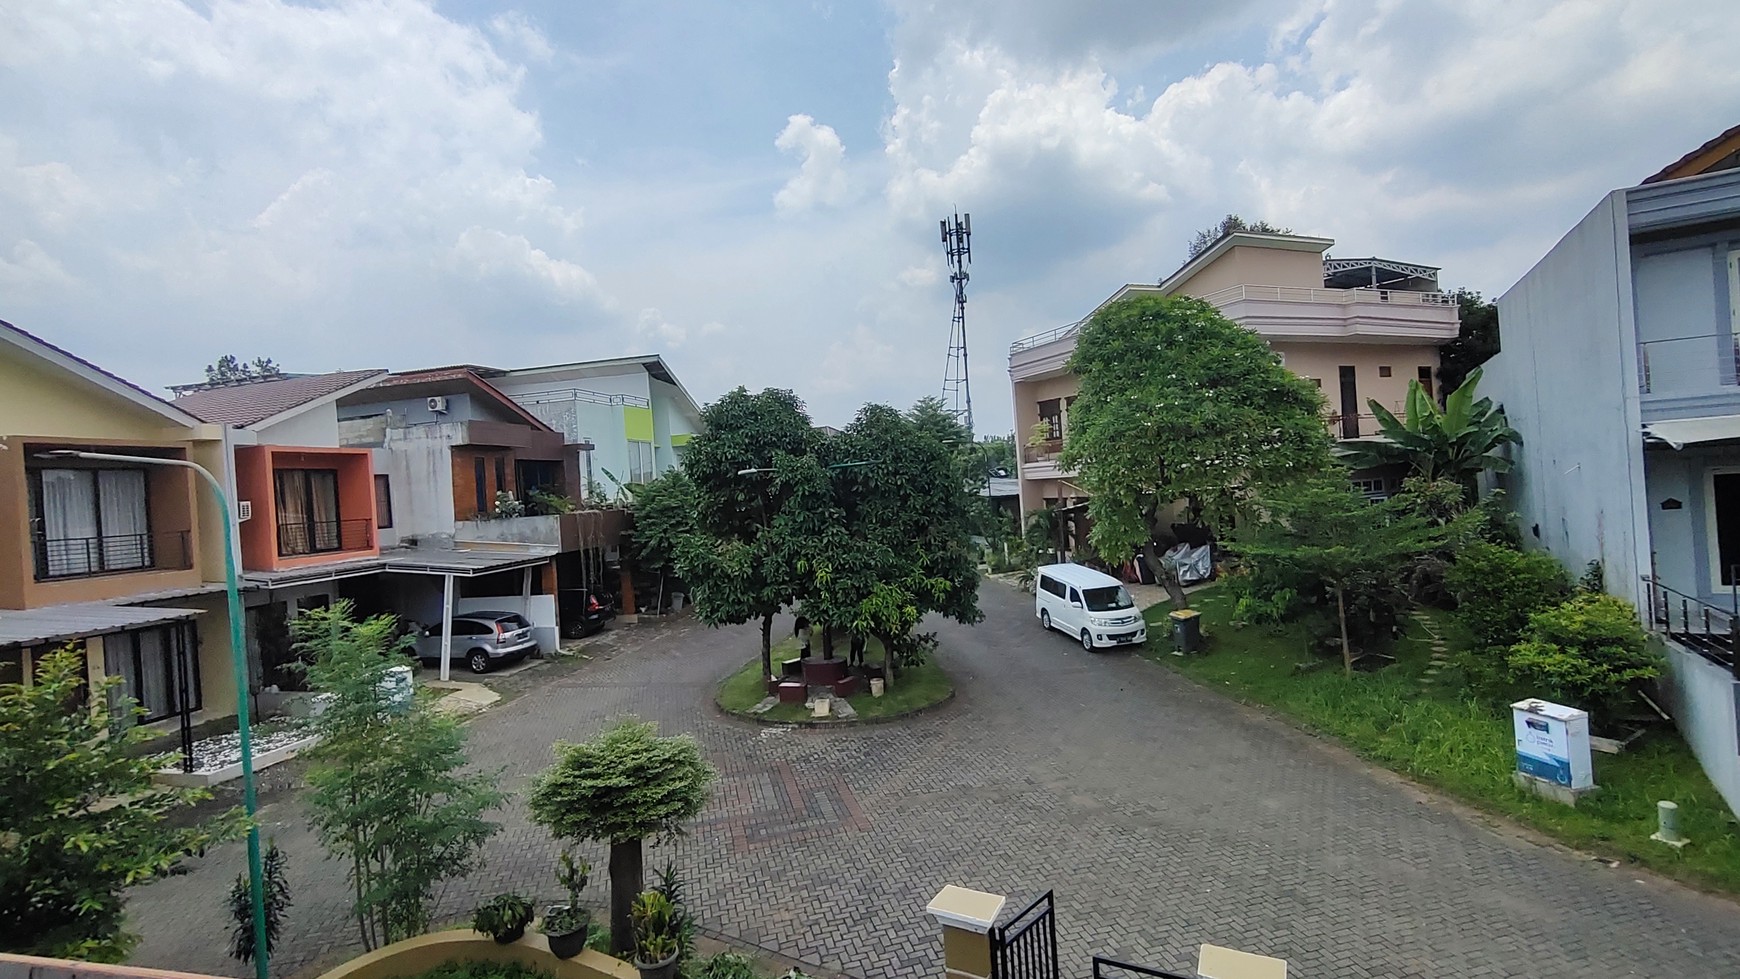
(753, 189)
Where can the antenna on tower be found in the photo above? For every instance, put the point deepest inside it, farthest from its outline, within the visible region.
(957, 392)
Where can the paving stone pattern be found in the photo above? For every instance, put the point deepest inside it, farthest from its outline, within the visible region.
(1163, 816)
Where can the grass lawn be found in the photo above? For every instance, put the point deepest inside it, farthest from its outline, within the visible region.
(1442, 738)
(911, 690)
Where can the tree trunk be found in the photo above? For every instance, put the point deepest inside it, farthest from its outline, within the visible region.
(625, 886)
(827, 641)
(1165, 575)
(887, 664)
(766, 646)
(1346, 650)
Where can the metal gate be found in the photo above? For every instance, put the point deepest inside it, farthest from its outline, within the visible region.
(1026, 947)
(1105, 968)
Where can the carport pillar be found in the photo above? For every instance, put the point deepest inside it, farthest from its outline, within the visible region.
(966, 917)
(446, 626)
(526, 591)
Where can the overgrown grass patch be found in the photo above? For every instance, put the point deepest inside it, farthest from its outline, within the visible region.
(911, 690)
(1441, 736)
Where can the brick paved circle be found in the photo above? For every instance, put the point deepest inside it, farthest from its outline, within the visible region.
(1162, 815)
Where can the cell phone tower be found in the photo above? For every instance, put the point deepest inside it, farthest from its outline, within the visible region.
(957, 391)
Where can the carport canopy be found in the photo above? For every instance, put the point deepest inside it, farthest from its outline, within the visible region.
(1680, 432)
(462, 563)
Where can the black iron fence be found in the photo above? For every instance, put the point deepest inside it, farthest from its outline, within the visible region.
(1709, 630)
(1026, 947)
(82, 557)
(1105, 968)
(299, 537)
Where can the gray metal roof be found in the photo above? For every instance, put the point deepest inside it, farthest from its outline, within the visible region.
(463, 562)
(997, 486)
(63, 623)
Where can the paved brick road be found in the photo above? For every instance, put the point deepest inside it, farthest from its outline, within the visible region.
(1162, 815)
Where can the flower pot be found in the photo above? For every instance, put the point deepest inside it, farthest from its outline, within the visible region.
(566, 945)
(876, 686)
(658, 970)
(511, 936)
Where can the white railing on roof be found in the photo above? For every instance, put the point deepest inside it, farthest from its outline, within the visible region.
(582, 395)
(1304, 294)
(1040, 339)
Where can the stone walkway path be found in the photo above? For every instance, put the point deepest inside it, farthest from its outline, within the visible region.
(1163, 815)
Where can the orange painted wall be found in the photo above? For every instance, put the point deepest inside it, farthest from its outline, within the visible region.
(255, 466)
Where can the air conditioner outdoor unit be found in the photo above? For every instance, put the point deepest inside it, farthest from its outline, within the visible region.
(244, 510)
(438, 404)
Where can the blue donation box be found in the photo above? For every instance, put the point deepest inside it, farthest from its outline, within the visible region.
(1552, 743)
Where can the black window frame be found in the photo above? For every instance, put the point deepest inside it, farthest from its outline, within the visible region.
(480, 476)
(195, 685)
(501, 480)
(308, 511)
(1053, 421)
(39, 527)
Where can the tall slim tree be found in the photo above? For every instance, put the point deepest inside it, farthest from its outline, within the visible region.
(1179, 403)
(389, 793)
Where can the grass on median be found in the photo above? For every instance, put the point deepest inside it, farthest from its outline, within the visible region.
(912, 689)
(1444, 738)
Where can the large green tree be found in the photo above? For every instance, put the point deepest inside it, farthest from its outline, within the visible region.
(737, 569)
(83, 820)
(881, 529)
(622, 787)
(1327, 531)
(1476, 339)
(1456, 442)
(389, 790)
(1178, 402)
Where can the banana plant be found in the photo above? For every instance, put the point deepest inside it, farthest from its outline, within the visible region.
(1456, 442)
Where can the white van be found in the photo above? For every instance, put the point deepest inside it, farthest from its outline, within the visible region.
(1090, 606)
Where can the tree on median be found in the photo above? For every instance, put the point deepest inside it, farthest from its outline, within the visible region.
(1177, 402)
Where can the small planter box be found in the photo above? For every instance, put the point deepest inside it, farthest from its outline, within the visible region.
(792, 693)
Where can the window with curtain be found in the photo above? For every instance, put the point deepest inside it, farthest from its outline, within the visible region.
(640, 461)
(308, 517)
(152, 664)
(383, 501)
(90, 521)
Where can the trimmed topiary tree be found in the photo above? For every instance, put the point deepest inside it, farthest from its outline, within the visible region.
(622, 787)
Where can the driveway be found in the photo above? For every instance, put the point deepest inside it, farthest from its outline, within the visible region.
(1161, 814)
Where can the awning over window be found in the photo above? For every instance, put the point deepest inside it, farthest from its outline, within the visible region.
(1687, 431)
(63, 623)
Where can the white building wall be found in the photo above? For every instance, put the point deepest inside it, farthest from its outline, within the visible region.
(418, 462)
(1567, 379)
(318, 426)
(1704, 699)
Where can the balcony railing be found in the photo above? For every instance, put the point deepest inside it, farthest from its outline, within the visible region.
(83, 557)
(304, 537)
(1305, 294)
(1045, 451)
(1688, 365)
(1708, 630)
(1040, 339)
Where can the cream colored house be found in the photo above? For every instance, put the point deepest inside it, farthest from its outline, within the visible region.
(1359, 328)
(123, 560)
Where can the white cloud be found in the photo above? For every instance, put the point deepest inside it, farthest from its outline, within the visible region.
(821, 176)
(652, 327)
(517, 29)
(27, 268)
(484, 253)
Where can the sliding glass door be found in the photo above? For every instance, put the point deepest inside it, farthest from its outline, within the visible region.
(308, 518)
(90, 521)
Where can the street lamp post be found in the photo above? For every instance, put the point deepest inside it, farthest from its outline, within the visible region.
(239, 661)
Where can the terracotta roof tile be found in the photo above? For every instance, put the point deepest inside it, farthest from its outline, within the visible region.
(241, 405)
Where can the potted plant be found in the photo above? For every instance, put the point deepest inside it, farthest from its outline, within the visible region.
(567, 925)
(504, 918)
(655, 936)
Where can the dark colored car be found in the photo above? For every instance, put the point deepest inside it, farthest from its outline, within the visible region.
(584, 612)
(481, 640)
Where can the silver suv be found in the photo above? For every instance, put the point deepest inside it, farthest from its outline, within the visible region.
(482, 639)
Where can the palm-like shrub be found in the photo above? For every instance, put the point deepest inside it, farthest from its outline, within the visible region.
(1456, 442)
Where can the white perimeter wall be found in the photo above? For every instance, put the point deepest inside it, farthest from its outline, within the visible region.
(1567, 379)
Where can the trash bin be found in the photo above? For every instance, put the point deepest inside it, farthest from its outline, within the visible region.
(1186, 630)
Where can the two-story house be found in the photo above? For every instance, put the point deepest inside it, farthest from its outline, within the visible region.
(1359, 328)
(120, 557)
(626, 419)
(1621, 371)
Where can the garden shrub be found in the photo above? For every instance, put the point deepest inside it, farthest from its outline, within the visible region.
(1588, 652)
(1498, 588)
(728, 965)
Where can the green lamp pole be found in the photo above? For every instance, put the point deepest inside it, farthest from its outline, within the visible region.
(239, 661)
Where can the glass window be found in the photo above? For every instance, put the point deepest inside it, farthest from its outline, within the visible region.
(1107, 599)
(1383, 372)
(501, 483)
(154, 665)
(308, 518)
(640, 462)
(480, 478)
(1074, 597)
(90, 521)
(383, 501)
(1051, 416)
